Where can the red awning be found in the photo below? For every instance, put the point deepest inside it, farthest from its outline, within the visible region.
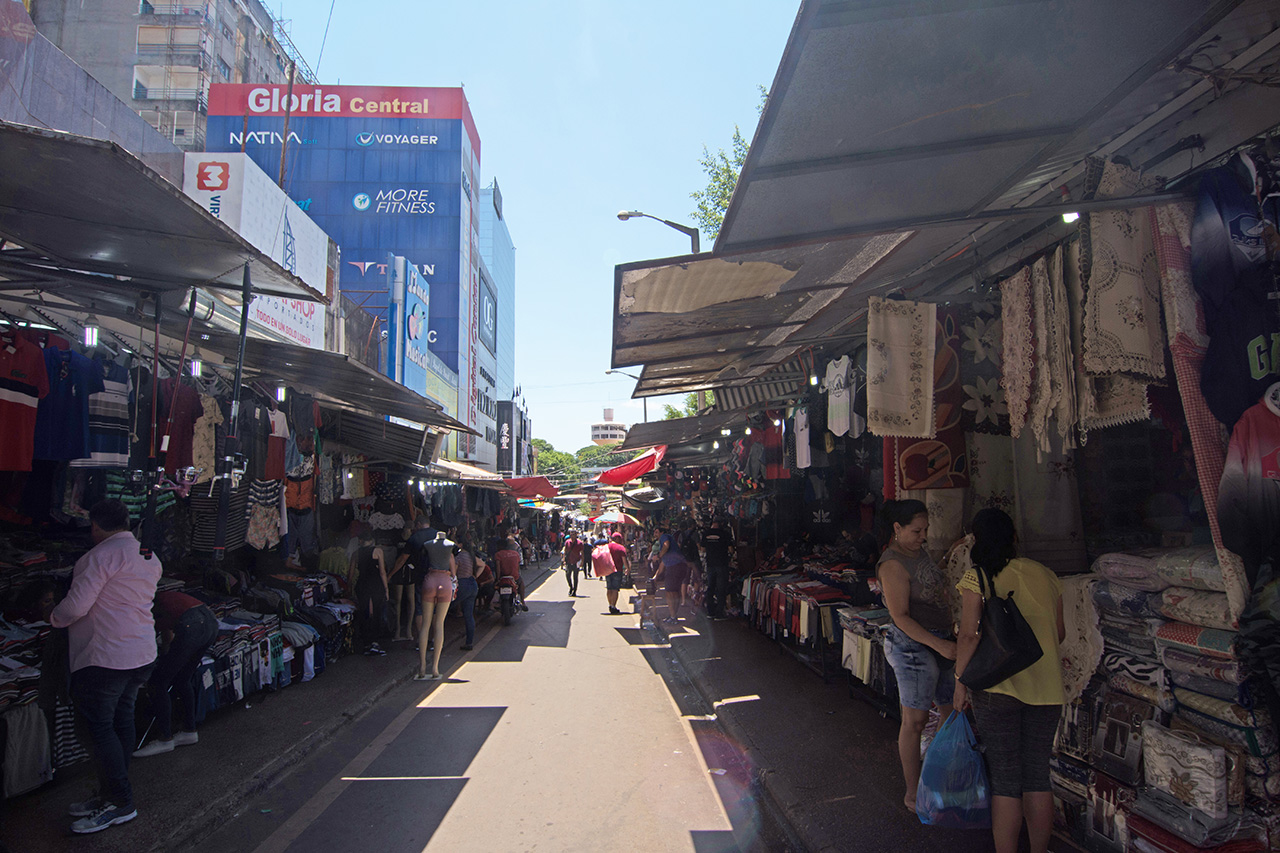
(638, 467)
(531, 487)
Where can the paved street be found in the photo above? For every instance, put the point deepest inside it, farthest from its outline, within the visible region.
(558, 732)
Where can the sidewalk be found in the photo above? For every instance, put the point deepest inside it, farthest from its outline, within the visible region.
(826, 764)
(243, 750)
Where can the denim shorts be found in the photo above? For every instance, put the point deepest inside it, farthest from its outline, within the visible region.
(921, 681)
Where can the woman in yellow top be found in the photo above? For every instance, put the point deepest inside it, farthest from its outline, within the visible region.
(1018, 717)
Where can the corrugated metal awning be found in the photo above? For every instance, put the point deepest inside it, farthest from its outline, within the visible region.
(781, 385)
(680, 431)
(379, 439)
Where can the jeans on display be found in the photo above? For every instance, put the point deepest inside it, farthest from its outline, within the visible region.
(195, 632)
(717, 588)
(468, 589)
(104, 699)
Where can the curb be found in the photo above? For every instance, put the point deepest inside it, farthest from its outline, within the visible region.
(274, 771)
(763, 786)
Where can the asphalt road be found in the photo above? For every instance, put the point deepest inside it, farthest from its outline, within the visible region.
(568, 730)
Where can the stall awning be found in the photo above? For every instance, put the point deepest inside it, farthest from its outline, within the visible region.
(780, 385)
(468, 475)
(71, 206)
(924, 148)
(532, 487)
(378, 439)
(337, 379)
(634, 469)
(679, 431)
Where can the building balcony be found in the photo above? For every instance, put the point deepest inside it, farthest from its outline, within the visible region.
(181, 55)
(174, 10)
(192, 99)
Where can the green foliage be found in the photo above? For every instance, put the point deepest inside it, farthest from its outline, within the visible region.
(595, 456)
(690, 408)
(723, 169)
(552, 462)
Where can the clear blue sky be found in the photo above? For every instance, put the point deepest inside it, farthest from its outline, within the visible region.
(583, 108)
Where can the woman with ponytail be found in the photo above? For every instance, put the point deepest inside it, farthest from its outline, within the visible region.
(918, 644)
(1018, 717)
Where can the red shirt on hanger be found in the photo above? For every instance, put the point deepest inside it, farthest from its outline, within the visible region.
(24, 382)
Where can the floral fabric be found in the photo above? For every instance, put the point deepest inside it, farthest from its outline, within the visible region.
(942, 461)
(1162, 699)
(1186, 767)
(1019, 349)
(1113, 597)
(1081, 649)
(1201, 665)
(1195, 568)
(1196, 607)
(1259, 741)
(1192, 638)
(1237, 758)
(900, 361)
(981, 357)
(1135, 571)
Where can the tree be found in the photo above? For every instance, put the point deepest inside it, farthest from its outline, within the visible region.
(599, 456)
(723, 169)
(552, 462)
(690, 408)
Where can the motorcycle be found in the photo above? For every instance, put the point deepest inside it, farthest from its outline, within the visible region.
(508, 598)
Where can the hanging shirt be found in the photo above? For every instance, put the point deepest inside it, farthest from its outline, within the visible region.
(804, 458)
(1249, 494)
(62, 420)
(839, 399)
(186, 410)
(24, 382)
(108, 418)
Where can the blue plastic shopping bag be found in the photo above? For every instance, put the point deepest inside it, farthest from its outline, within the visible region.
(953, 789)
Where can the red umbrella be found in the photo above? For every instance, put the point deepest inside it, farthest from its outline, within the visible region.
(636, 468)
(614, 516)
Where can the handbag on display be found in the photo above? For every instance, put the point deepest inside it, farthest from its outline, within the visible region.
(1006, 645)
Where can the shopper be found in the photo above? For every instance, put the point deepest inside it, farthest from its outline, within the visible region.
(717, 543)
(485, 584)
(1018, 717)
(673, 571)
(622, 567)
(188, 627)
(572, 562)
(588, 542)
(918, 643)
(465, 562)
(112, 644)
(437, 593)
(371, 592)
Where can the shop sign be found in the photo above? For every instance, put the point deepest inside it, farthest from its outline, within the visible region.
(506, 436)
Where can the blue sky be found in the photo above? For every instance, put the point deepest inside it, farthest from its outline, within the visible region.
(583, 108)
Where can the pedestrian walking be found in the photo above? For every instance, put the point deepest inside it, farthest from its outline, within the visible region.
(465, 562)
(572, 561)
(112, 643)
(621, 568)
(188, 627)
(717, 544)
(371, 592)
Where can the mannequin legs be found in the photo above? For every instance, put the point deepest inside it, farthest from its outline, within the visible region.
(433, 615)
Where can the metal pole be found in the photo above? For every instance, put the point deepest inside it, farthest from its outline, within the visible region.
(288, 108)
(645, 401)
(153, 463)
(227, 462)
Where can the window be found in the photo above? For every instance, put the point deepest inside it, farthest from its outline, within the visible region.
(224, 69)
(226, 32)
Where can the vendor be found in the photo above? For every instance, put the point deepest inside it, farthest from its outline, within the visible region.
(188, 627)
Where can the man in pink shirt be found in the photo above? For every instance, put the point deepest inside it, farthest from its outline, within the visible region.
(112, 642)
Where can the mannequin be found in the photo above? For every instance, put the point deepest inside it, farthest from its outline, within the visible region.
(437, 593)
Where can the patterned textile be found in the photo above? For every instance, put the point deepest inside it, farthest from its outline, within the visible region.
(1123, 331)
(1161, 823)
(1136, 571)
(204, 440)
(1162, 699)
(108, 418)
(1196, 607)
(1143, 672)
(1192, 638)
(984, 409)
(946, 518)
(1259, 741)
(1227, 712)
(1183, 765)
(1203, 666)
(1060, 366)
(1019, 350)
(1227, 692)
(1193, 568)
(941, 462)
(900, 337)
(1041, 401)
(1237, 758)
(1081, 649)
(1117, 744)
(1101, 401)
(1115, 598)
(1131, 644)
(991, 473)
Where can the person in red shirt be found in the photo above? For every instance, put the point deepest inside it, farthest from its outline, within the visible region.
(572, 561)
(188, 628)
(613, 582)
(508, 560)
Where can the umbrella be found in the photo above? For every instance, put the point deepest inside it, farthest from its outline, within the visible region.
(615, 516)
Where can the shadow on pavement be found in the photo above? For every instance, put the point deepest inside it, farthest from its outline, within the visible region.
(546, 624)
(419, 774)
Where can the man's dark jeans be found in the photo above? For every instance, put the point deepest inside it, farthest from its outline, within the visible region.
(195, 632)
(468, 589)
(717, 588)
(571, 572)
(104, 699)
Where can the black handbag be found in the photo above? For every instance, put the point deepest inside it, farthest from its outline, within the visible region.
(627, 581)
(1006, 645)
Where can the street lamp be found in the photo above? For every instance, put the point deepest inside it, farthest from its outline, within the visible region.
(624, 215)
(644, 400)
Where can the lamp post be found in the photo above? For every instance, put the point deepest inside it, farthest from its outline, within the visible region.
(624, 215)
(643, 400)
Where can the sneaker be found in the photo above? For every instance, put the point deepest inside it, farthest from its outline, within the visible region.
(185, 738)
(107, 815)
(524, 607)
(84, 808)
(466, 647)
(615, 611)
(156, 747)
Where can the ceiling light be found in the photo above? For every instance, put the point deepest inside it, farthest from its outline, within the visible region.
(91, 331)
(1070, 217)
(280, 392)
(197, 363)
(813, 380)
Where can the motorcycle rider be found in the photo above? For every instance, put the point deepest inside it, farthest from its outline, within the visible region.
(508, 560)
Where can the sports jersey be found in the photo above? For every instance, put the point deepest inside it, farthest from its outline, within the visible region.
(24, 382)
(108, 418)
(62, 419)
(1249, 494)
